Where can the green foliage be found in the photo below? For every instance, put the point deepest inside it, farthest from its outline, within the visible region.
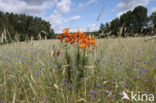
(25, 26)
(130, 23)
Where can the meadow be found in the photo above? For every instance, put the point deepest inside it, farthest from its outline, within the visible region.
(46, 72)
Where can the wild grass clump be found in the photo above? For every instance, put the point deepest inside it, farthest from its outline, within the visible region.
(50, 71)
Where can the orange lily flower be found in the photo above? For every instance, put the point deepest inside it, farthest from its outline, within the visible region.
(66, 31)
(95, 46)
(68, 40)
(78, 39)
(75, 35)
(70, 35)
(83, 45)
(84, 40)
(59, 36)
(92, 41)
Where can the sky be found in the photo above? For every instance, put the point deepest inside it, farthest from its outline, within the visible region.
(75, 14)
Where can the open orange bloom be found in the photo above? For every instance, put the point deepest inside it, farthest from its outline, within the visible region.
(78, 39)
(83, 45)
(68, 40)
(82, 35)
(84, 40)
(75, 35)
(70, 35)
(95, 46)
(92, 41)
(59, 36)
(66, 31)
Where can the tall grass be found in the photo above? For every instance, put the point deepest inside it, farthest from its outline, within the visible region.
(29, 73)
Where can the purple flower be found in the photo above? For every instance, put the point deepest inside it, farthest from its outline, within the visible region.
(44, 99)
(146, 80)
(150, 95)
(73, 67)
(138, 77)
(93, 92)
(78, 72)
(126, 85)
(53, 99)
(11, 72)
(37, 73)
(65, 80)
(12, 81)
(70, 85)
(56, 66)
(98, 85)
(107, 92)
(63, 85)
(93, 97)
(1, 100)
(145, 70)
(125, 79)
(118, 59)
(118, 68)
(141, 71)
(112, 96)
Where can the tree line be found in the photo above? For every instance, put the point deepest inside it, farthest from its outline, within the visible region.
(131, 23)
(22, 27)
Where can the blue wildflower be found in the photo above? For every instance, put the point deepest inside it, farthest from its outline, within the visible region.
(138, 77)
(98, 85)
(56, 66)
(125, 79)
(78, 72)
(93, 97)
(126, 85)
(53, 99)
(93, 92)
(107, 92)
(12, 81)
(11, 72)
(141, 71)
(146, 80)
(118, 68)
(37, 73)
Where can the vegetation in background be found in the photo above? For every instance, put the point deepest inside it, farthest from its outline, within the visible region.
(23, 27)
(131, 23)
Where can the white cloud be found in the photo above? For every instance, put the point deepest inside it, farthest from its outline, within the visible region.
(57, 20)
(92, 27)
(30, 7)
(63, 7)
(126, 5)
(74, 18)
(153, 9)
(82, 4)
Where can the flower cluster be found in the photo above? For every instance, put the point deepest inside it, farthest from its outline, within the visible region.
(79, 37)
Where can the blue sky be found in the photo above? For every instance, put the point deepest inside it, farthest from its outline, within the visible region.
(75, 14)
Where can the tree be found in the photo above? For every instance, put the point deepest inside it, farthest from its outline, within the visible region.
(115, 25)
(153, 18)
(140, 17)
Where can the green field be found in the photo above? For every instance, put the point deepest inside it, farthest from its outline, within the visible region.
(29, 73)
